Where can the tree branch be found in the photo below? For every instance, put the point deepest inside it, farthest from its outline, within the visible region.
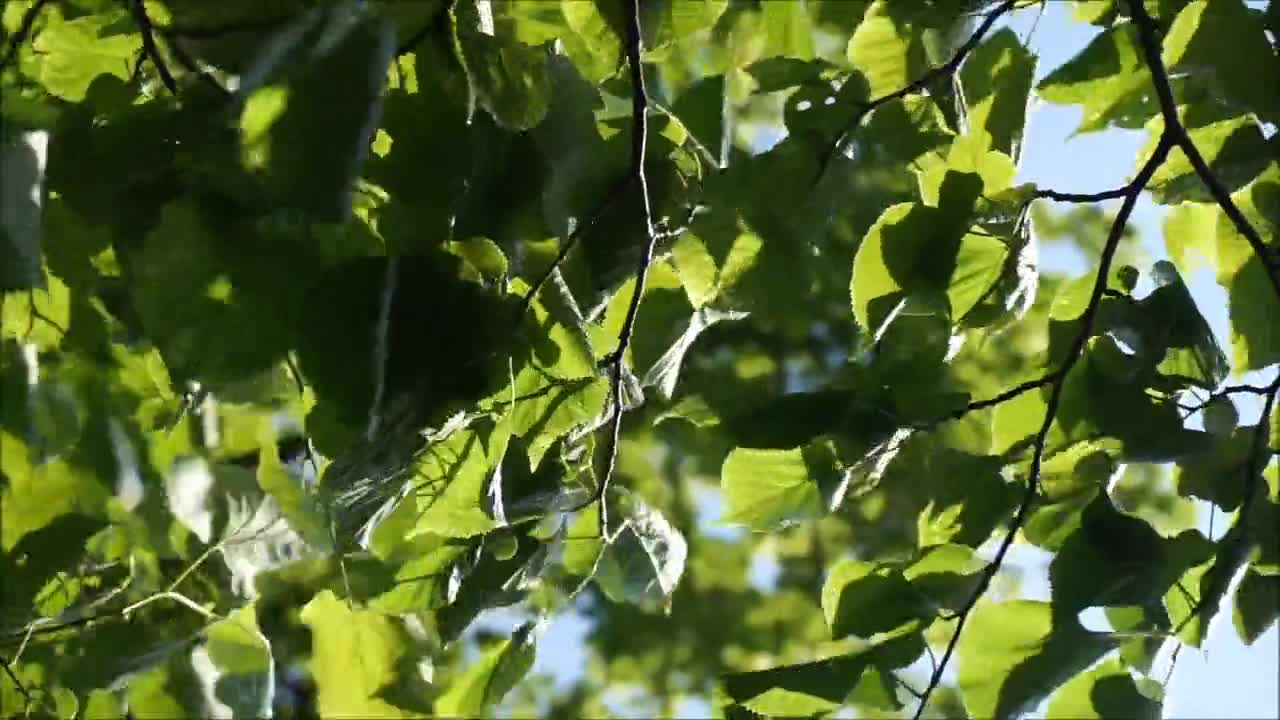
(1058, 382)
(1070, 197)
(149, 48)
(639, 143)
(1151, 50)
(20, 35)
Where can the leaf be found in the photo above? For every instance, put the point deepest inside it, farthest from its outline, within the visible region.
(1255, 339)
(235, 665)
(915, 249)
(1234, 149)
(997, 78)
(884, 52)
(646, 559)
(355, 656)
(1223, 46)
(1189, 233)
(327, 71)
(509, 78)
(489, 679)
(819, 687)
(1104, 691)
(1103, 78)
(22, 197)
(765, 489)
(863, 599)
(1257, 605)
(1013, 654)
(75, 52)
(666, 370)
(452, 479)
(1114, 559)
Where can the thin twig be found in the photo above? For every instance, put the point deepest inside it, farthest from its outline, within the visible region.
(1007, 395)
(1239, 532)
(1073, 356)
(1151, 50)
(947, 68)
(149, 48)
(615, 360)
(20, 35)
(1071, 197)
(570, 242)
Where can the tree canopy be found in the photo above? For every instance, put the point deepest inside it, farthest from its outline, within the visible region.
(332, 331)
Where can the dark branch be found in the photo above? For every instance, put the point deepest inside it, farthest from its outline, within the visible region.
(149, 48)
(615, 360)
(20, 35)
(1173, 125)
(1007, 395)
(1229, 390)
(230, 28)
(1070, 197)
(1075, 352)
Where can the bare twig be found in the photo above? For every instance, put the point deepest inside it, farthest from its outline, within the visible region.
(1071, 197)
(139, 12)
(1151, 50)
(1075, 352)
(20, 35)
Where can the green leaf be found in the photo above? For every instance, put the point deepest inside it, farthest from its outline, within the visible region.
(1013, 654)
(1257, 605)
(997, 78)
(863, 599)
(819, 687)
(1189, 233)
(320, 86)
(766, 489)
(1104, 691)
(489, 679)
(1253, 305)
(355, 656)
(915, 249)
(1234, 149)
(1115, 559)
(1223, 46)
(666, 370)
(509, 78)
(1104, 77)
(73, 53)
(886, 53)
(646, 559)
(453, 480)
(235, 664)
(204, 322)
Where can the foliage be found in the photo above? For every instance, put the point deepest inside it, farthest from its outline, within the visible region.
(337, 334)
